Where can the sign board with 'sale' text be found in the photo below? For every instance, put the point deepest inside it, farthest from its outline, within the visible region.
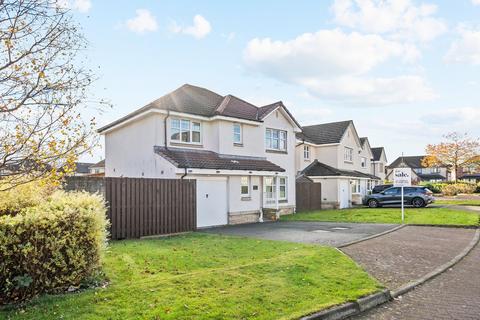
(402, 177)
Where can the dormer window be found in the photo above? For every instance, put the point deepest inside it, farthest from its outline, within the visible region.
(186, 131)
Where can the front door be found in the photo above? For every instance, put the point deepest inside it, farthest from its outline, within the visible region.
(344, 194)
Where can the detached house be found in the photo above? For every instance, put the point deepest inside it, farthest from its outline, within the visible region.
(242, 156)
(334, 155)
(420, 173)
(379, 162)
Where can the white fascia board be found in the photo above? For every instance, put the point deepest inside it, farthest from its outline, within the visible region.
(296, 128)
(237, 120)
(213, 172)
(301, 142)
(338, 177)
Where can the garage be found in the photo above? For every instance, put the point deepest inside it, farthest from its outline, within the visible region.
(211, 203)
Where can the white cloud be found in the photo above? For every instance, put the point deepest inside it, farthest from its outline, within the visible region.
(82, 5)
(476, 2)
(200, 28)
(460, 118)
(401, 19)
(143, 22)
(335, 65)
(466, 49)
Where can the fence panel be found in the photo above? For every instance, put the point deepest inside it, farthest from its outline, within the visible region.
(145, 207)
(309, 196)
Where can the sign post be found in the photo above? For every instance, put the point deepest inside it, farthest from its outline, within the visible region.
(402, 177)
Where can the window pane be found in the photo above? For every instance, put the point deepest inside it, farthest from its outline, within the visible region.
(185, 125)
(275, 134)
(283, 192)
(195, 136)
(195, 126)
(185, 136)
(176, 123)
(175, 134)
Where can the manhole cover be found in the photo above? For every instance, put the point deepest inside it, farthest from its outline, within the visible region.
(340, 228)
(320, 231)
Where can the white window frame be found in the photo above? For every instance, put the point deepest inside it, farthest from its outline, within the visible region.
(348, 154)
(356, 185)
(276, 136)
(242, 185)
(182, 130)
(239, 133)
(280, 185)
(363, 162)
(306, 152)
(269, 196)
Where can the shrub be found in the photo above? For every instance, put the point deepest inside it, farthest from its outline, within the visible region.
(450, 188)
(23, 196)
(51, 246)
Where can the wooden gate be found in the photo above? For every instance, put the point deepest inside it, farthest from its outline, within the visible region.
(308, 195)
(140, 207)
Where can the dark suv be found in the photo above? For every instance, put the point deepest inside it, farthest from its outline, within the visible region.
(414, 196)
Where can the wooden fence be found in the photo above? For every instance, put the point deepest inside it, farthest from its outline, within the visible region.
(309, 196)
(143, 207)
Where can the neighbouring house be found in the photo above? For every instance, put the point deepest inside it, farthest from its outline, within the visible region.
(82, 169)
(379, 162)
(334, 155)
(242, 156)
(419, 172)
(97, 169)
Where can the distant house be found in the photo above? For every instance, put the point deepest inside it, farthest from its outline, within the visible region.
(82, 168)
(97, 169)
(334, 155)
(470, 173)
(420, 173)
(379, 162)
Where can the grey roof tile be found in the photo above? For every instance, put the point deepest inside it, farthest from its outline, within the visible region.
(319, 169)
(324, 133)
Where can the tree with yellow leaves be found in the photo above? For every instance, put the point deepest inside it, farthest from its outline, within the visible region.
(43, 90)
(456, 151)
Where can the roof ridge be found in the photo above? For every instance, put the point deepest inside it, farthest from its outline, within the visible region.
(321, 124)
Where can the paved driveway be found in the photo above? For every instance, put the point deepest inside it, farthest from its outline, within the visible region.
(325, 233)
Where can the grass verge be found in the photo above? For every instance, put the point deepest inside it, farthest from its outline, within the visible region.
(459, 202)
(429, 215)
(199, 276)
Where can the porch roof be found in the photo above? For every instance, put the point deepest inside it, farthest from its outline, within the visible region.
(319, 169)
(205, 159)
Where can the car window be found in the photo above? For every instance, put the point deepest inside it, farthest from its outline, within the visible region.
(391, 191)
(410, 190)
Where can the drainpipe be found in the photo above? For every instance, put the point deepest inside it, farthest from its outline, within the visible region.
(165, 128)
(184, 175)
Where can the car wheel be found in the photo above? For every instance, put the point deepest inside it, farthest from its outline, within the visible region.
(418, 202)
(372, 203)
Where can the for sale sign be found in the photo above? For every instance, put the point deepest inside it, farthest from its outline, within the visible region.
(402, 177)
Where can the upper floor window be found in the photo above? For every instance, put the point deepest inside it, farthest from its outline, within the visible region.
(348, 154)
(183, 130)
(380, 167)
(237, 133)
(363, 162)
(306, 152)
(276, 139)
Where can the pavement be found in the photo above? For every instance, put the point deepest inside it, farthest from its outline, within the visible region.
(453, 295)
(409, 253)
(323, 233)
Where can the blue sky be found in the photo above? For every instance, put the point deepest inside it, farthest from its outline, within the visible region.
(405, 71)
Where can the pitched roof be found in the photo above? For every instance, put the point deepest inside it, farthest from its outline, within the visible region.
(203, 102)
(430, 176)
(82, 167)
(99, 164)
(324, 133)
(303, 178)
(319, 169)
(203, 159)
(410, 161)
(377, 153)
(470, 176)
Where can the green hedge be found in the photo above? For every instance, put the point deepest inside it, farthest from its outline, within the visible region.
(52, 246)
(451, 188)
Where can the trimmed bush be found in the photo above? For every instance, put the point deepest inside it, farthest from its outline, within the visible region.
(52, 246)
(23, 196)
(451, 189)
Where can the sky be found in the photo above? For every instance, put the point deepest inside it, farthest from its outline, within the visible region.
(406, 72)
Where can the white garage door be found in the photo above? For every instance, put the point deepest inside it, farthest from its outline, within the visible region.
(211, 203)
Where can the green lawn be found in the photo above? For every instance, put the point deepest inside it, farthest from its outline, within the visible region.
(199, 276)
(439, 216)
(459, 202)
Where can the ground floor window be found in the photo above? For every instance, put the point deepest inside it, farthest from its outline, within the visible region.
(283, 188)
(355, 184)
(245, 186)
(270, 187)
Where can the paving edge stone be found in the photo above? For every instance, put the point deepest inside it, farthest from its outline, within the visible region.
(368, 302)
(372, 236)
(411, 285)
(351, 308)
